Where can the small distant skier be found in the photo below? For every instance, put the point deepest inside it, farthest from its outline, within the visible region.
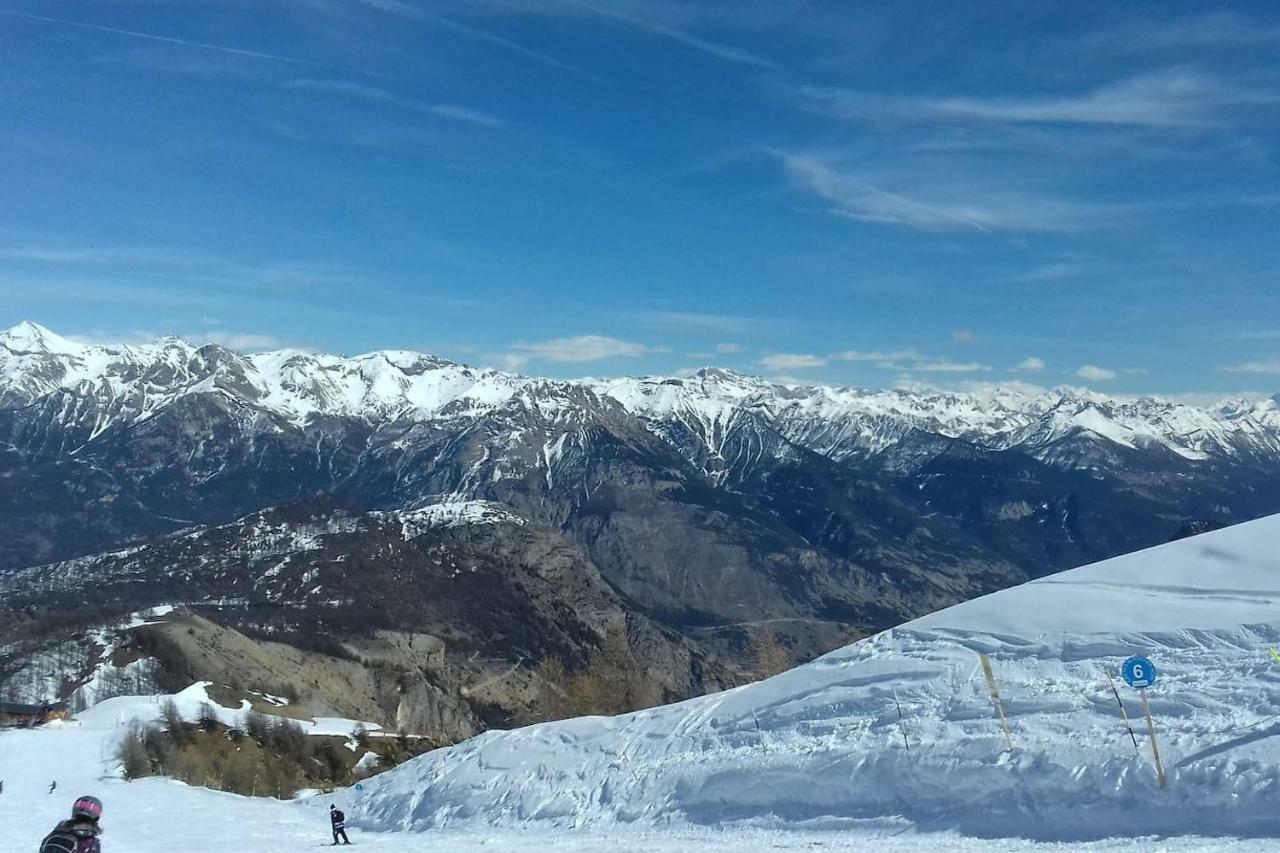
(53, 786)
(80, 833)
(339, 821)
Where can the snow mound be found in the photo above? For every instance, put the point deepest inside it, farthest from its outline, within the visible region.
(449, 514)
(823, 743)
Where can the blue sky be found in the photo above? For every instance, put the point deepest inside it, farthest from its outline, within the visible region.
(938, 193)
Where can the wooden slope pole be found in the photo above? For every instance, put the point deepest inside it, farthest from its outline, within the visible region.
(1151, 731)
(995, 697)
(1127, 723)
(902, 723)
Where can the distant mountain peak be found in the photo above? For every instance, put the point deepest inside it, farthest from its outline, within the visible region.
(29, 337)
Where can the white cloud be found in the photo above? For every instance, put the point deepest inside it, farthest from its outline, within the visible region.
(908, 361)
(241, 341)
(943, 366)
(963, 336)
(1163, 99)
(506, 361)
(967, 386)
(909, 200)
(1095, 374)
(1269, 366)
(791, 361)
(692, 321)
(1031, 364)
(729, 348)
(582, 348)
(876, 355)
(784, 379)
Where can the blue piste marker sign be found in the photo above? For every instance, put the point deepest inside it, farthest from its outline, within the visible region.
(1138, 672)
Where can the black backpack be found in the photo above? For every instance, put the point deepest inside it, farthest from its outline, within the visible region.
(60, 841)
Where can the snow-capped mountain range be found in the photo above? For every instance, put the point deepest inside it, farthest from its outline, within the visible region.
(708, 501)
(124, 384)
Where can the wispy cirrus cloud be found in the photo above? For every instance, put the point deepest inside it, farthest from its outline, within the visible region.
(652, 26)
(1217, 30)
(377, 95)
(410, 12)
(907, 200)
(1169, 98)
(186, 43)
(669, 21)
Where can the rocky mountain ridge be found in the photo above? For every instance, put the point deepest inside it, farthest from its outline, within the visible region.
(706, 503)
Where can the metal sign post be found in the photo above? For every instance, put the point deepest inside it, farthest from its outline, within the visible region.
(1123, 712)
(902, 723)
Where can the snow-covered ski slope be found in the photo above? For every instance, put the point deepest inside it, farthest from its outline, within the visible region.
(161, 816)
(814, 758)
(822, 745)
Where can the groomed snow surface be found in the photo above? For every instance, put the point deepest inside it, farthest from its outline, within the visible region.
(815, 758)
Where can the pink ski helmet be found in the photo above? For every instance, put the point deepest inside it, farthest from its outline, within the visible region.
(90, 807)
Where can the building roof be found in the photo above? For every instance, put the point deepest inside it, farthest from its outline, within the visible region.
(19, 709)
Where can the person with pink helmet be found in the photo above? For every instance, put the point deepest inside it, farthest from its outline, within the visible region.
(80, 833)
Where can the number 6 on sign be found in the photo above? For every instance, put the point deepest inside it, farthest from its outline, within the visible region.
(1138, 672)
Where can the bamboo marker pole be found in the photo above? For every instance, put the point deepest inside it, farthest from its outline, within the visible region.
(995, 697)
(1151, 731)
(902, 723)
(1124, 713)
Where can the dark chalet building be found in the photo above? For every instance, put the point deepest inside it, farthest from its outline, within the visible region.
(13, 714)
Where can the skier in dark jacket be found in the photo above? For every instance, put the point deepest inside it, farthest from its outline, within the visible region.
(80, 833)
(339, 821)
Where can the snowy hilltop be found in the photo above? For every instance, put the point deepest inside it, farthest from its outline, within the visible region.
(823, 744)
